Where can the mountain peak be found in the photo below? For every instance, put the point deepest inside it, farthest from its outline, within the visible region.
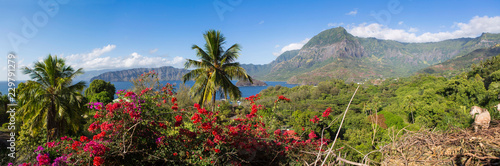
(329, 36)
(490, 36)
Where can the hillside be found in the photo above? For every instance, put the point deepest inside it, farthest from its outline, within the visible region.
(165, 73)
(462, 63)
(261, 70)
(334, 53)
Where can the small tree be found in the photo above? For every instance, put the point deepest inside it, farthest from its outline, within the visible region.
(100, 91)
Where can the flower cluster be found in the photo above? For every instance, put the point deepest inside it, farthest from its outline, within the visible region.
(282, 98)
(149, 127)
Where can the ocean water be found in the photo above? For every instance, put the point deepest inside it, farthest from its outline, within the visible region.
(246, 91)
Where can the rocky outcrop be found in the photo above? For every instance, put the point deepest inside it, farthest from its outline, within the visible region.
(247, 83)
(166, 73)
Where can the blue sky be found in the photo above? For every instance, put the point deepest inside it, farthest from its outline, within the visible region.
(95, 34)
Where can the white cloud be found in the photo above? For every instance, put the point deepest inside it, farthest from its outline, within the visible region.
(413, 30)
(95, 60)
(153, 51)
(352, 13)
(400, 23)
(473, 28)
(292, 46)
(335, 24)
(261, 22)
(277, 46)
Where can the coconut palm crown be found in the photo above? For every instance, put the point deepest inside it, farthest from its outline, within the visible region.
(50, 100)
(215, 69)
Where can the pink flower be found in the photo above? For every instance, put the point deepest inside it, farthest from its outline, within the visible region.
(95, 148)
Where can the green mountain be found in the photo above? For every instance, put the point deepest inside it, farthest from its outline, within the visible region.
(165, 73)
(261, 70)
(334, 53)
(459, 64)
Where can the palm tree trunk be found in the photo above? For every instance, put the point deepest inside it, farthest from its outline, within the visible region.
(213, 101)
(50, 119)
(52, 131)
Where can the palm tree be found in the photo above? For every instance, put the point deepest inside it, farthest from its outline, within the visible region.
(50, 100)
(215, 69)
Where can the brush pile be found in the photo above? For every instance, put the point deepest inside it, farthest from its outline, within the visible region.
(453, 147)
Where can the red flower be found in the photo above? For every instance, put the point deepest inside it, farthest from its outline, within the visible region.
(129, 94)
(206, 125)
(98, 161)
(99, 136)
(106, 126)
(202, 111)
(174, 99)
(196, 118)
(315, 119)
(84, 139)
(196, 105)
(217, 150)
(93, 126)
(43, 159)
(327, 112)
(175, 154)
(178, 118)
(175, 108)
(312, 135)
(97, 115)
(75, 145)
(277, 132)
(281, 97)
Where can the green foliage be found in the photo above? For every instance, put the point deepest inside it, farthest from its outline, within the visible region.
(215, 70)
(100, 91)
(393, 120)
(4, 100)
(50, 100)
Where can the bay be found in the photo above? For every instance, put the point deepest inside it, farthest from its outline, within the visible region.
(246, 91)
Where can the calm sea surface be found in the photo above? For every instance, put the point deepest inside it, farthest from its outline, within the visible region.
(246, 91)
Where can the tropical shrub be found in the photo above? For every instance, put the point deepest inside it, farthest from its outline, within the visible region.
(148, 128)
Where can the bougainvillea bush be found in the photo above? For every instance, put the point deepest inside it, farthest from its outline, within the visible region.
(148, 128)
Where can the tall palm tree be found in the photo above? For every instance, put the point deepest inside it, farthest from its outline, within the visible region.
(215, 69)
(50, 100)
